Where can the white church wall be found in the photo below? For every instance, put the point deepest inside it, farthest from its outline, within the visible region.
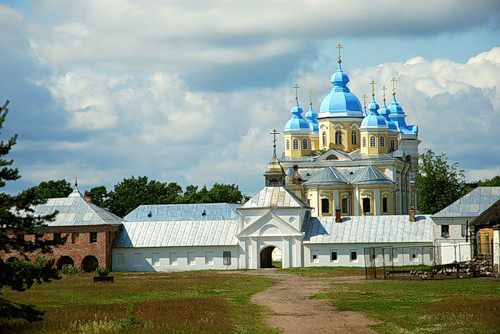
(456, 228)
(292, 216)
(174, 258)
(318, 255)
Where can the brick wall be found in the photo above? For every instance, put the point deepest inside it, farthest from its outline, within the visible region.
(78, 245)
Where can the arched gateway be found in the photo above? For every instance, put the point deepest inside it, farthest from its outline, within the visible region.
(270, 257)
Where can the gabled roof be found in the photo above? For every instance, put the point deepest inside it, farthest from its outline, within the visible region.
(329, 175)
(274, 197)
(371, 174)
(187, 212)
(178, 233)
(472, 204)
(490, 216)
(75, 211)
(368, 229)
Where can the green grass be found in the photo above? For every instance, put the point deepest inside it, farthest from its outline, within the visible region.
(324, 272)
(440, 306)
(188, 302)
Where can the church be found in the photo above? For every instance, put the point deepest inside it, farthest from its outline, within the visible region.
(345, 182)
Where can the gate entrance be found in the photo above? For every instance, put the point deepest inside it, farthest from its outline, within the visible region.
(270, 257)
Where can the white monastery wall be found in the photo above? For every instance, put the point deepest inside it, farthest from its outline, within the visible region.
(456, 227)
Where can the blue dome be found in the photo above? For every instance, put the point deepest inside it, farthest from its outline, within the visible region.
(386, 112)
(395, 108)
(296, 123)
(373, 120)
(311, 119)
(340, 100)
(397, 116)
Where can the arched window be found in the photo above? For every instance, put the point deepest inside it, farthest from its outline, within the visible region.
(382, 141)
(364, 141)
(295, 144)
(354, 137)
(287, 144)
(392, 145)
(338, 137)
(373, 141)
(304, 144)
(324, 138)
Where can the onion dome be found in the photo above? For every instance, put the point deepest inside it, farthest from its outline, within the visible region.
(374, 120)
(296, 123)
(386, 112)
(311, 119)
(340, 102)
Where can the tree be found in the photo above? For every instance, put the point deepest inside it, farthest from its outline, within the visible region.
(100, 196)
(17, 221)
(53, 189)
(493, 182)
(130, 193)
(219, 193)
(439, 183)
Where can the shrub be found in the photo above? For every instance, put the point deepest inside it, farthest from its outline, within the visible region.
(101, 272)
(69, 269)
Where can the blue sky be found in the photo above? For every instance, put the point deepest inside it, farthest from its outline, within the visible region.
(188, 91)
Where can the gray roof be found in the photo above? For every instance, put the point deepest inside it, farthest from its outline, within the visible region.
(272, 197)
(368, 229)
(371, 174)
(190, 212)
(329, 175)
(178, 233)
(75, 211)
(472, 204)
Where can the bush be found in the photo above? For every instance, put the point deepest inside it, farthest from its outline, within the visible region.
(101, 272)
(69, 269)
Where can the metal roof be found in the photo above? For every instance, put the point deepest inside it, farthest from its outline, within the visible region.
(188, 212)
(178, 233)
(329, 175)
(490, 216)
(368, 229)
(371, 174)
(271, 197)
(75, 211)
(472, 204)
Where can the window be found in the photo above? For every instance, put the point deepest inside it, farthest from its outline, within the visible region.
(173, 259)
(137, 259)
(93, 237)
(354, 137)
(155, 259)
(304, 144)
(324, 138)
(334, 256)
(74, 238)
(414, 257)
(191, 257)
(354, 256)
(345, 205)
(209, 258)
(338, 137)
(364, 141)
(314, 257)
(295, 144)
(384, 205)
(226, 258)
(325, 205)
(382, 141)
(287, 144)
(392, 145)
(373, 141)
(38, 236)
(445, 231)
(57, 236)
(366, 205)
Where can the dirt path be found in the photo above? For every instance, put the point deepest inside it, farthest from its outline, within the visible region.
(294, 310)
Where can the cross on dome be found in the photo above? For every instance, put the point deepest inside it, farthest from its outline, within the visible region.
(373, 88)
(296, 87)
(364, 100)
(393, 85)
(383, 89)
(339, 47)
(310, 92)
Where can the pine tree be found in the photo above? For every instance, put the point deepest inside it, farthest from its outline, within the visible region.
(17, 221)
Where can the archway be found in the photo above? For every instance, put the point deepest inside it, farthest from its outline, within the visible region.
(270, 257)
(63, 260)
(89, 263)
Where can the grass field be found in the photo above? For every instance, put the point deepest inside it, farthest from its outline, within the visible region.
(421, 306)
(194, 302)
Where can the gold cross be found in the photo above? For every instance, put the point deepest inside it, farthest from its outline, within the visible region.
(296, 91)
(339, 46)
(310, 92)
(373, 87)
(393, 85)
(274, 133)
(364, 100)
(384, 89)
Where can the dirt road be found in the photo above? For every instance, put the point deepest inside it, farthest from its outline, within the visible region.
(294, 311)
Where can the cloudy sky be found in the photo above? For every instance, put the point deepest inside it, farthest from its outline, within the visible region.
(188, 91)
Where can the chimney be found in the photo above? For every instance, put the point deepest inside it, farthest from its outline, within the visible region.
(88, 197)
(412, 213)
(295, 179)
(337, 214)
